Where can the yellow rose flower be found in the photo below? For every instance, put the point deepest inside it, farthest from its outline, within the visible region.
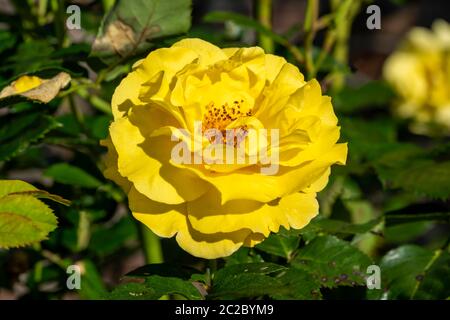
(420, 73)
(214, 207)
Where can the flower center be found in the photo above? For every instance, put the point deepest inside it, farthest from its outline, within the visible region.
(220, 116)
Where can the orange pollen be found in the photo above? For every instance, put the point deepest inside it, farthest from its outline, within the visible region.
(219, 118)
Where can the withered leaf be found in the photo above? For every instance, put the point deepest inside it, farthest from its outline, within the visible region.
(44, 91)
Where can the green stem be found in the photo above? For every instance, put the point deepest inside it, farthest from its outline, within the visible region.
(326, 48)
(212, 268)
(264, 11)
(345, 14)
(77, 114)
(312, 11)
(97, 102)
(436, 255)
(42, 11)
(56, 259)
(52, 257)
(58, 11)
(107, 5)
(213, 265)
(152, 249)
(152, 245)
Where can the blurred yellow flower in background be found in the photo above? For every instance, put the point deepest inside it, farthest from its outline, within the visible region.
(420, 73)
(215, 208)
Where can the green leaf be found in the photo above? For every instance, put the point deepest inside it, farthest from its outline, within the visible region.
(165, 285)
(41, 194)
(15, 186)
(107, 240)
(247, 280)
(133, 291)
(23, 221)
(394, 219)
(406, 232)
(263, 279)
(163, 278)
(17, 132)
(413, 169)
(154, 288)
(326, 225)
(367, 139)
(426, 177)
(7, 40)
(362, 211)
(67, 174)
(371, 94)
(23, 218)
(99, 126)
(92, 286)
(412, 272)
(18, 187)
(32, 56)
(435, 283)
(163, 270)
(301, 284)
(24, 188)
(247, 286)
(393, 157)
(250, 268)
(243, 255)
(280, 245)
(130, 26)
(333, 262)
